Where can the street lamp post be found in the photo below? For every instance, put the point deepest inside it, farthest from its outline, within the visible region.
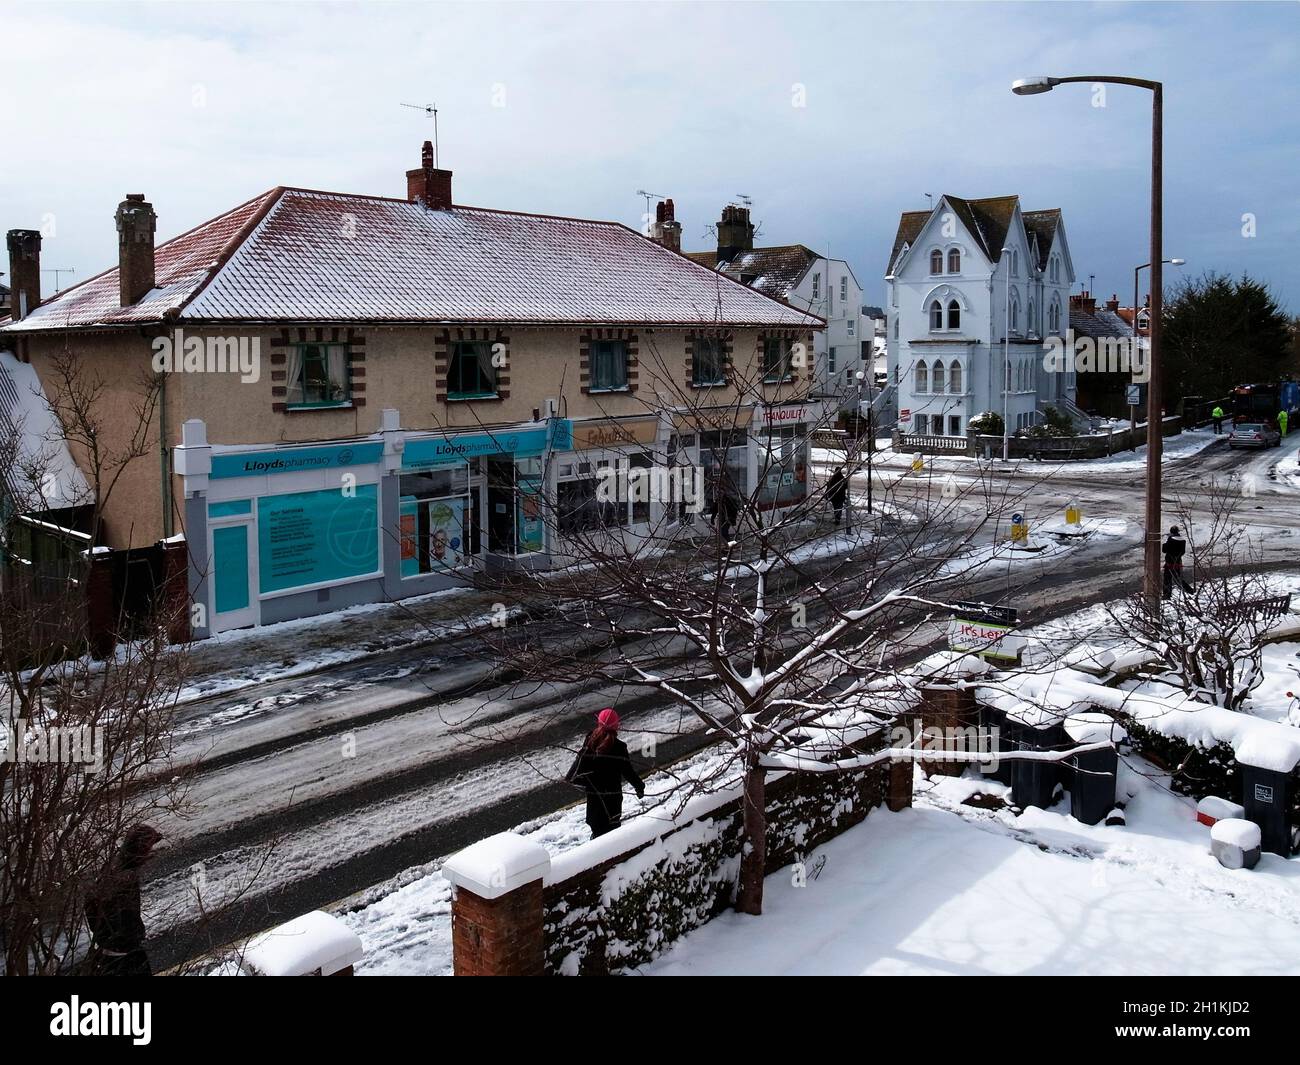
(1137, 270)
(1152, 577)
(1006, 359)
(860, 376)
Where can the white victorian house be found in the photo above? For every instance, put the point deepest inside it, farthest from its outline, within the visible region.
(975, 288)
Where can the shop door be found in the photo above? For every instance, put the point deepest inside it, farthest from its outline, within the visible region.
(233, 605)
(501, 506)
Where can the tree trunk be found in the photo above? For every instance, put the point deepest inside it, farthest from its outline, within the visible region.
(753, 858)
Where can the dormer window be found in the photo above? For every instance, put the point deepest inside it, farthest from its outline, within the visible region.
(954, 261)
(936, 261)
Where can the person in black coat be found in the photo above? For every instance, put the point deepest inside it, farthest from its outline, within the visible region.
(600, 769)
(1174, 549)
(113, 909)
(837, 490)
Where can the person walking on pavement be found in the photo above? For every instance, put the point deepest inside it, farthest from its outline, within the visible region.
(1281, 422)
(1174, 549)
(599, 769)
(113, 909)
(1217, 415)
(726, 504)
(837, 490)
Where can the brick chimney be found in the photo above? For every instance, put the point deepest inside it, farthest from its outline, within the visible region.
(428, 185)
(665, 229)
(1085, 301)
(24, 271)
(735, 233)
(136, 223)
(1112, 304)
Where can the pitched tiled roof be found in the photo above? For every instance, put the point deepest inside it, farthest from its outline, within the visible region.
(302, 256)
(987, 220)
(1099, 323)
(773, 271)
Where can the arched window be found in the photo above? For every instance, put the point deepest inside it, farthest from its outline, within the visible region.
(936, 261)
(954, 315)
(936, 377)
(1015, 313)
(922, 383)
(954, 261)
(1007, 387)
(954, 378)
(1054, 317)
(1030, 319)
(1020, 374)
(1015, 262)
(936, 316)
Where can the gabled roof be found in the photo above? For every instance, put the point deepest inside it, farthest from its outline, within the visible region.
(296, 255)
(988, 220)
(775, 272)
(1099, 323)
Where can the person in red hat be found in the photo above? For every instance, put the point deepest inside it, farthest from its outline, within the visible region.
(599, 769)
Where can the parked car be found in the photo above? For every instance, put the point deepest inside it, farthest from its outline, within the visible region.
(1254, 434)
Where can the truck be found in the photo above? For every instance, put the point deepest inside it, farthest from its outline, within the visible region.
(1263, 402)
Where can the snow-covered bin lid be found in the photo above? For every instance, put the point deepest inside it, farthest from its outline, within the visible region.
(494, 866)
(316, 940)
(1090, 659)
(1092, 726)
(1220, 808)
(1236, 832)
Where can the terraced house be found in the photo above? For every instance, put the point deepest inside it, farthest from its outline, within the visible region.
(362, 395)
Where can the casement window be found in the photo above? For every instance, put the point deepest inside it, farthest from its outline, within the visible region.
(470, 373)
(922, 382)
(844, 290)
(608, 365)
(954, 315)
(954, 378)
(853, 327)
(936, 261)
(936, 316)
(936, 377)
(776, 359)
(954, 425)
(706, 361)
(954, 261)
(318, 376)
(830, 361)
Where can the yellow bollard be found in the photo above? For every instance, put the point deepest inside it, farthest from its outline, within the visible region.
(918, 463)
(1019, 529)
(1073, 515)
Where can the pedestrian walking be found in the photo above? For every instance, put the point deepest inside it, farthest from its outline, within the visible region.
(1174, 549)
(1281, 422)
(726, 505)
(1217, 415)
(113, 909)
(601, 766)
(837, 490)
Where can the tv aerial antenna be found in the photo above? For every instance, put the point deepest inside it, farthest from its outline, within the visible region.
(648, 196)
(745, 201)
(431, 110)
(56, 271)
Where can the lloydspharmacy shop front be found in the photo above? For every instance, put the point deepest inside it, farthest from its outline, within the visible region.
(290, 531)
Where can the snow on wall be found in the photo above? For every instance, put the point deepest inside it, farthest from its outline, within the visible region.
(639, 889)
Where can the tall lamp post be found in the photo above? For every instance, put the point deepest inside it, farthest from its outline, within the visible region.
(1006, 359)
(1152, 577)
(859, 377)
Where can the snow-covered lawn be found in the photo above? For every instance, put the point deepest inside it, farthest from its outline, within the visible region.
(949, 889)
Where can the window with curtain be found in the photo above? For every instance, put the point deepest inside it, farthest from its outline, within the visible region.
(608, 365)
(318, 376)
(776, 359)
(706, 361)
(470, 373)
(954, 261)
(936, 261)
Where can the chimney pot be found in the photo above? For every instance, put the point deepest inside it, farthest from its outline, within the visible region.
(24, 271)
(665, 229)
(136, 223)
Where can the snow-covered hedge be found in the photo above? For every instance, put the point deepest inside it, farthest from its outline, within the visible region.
(626, 909)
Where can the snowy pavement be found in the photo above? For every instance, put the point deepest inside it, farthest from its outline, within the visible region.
(950, 889)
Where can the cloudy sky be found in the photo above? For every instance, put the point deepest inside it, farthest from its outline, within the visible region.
(571, 108)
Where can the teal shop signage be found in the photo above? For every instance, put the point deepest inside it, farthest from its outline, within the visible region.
(451, 450)
(294, 460)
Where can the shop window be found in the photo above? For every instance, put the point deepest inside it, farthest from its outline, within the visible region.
(776, 359)
(706, 361)
(438, 520)
(608, 365)
(318, 376)
(724, 456)
(782, 465)
(470, 373)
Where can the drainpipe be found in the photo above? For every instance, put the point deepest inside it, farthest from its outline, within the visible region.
(164, 465)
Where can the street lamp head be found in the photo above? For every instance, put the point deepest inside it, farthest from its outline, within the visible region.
(860, 375)
(1032, 86)
(1178, 262)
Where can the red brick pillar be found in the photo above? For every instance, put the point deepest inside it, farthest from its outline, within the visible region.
(945, 709)
(101, 611)
(898, 788)
(174, 597)
(496, 909)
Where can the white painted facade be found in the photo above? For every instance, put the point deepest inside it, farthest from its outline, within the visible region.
(948, 349)
(829, 289)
